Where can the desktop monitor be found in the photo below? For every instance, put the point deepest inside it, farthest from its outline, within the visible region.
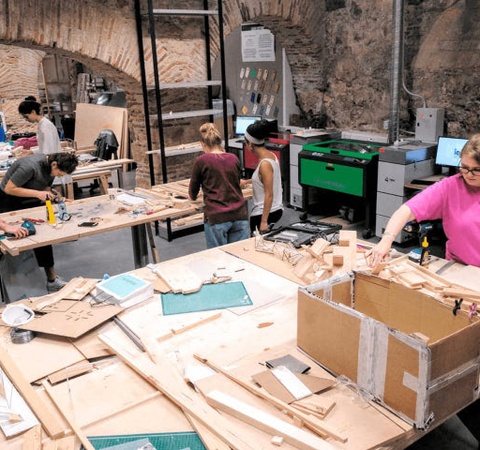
(242, 123)
(448, 152)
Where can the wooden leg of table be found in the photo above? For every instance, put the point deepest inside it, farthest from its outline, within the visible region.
(103, 180)
(70, 191)
(153, 247)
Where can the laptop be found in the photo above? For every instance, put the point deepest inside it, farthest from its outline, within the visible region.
(241, 125)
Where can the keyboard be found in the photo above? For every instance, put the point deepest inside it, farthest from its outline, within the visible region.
(423, 182)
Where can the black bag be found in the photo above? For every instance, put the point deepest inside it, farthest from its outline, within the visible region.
(107, 145)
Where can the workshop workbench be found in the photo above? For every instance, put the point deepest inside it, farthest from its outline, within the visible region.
(114, 165)
(168, 201)
(240, 339)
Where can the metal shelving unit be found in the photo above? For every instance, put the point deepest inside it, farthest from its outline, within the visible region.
(148, 24)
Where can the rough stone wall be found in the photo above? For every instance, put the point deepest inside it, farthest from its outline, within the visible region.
(339, 52)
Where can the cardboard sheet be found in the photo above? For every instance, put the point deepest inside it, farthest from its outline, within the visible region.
(77, 320)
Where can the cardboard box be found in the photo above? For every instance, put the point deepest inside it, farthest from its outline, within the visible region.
(405, 348)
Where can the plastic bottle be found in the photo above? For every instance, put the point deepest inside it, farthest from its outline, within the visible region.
(50, 213)
(2, 134)
(424, 256)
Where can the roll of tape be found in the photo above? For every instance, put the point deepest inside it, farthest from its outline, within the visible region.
(21, 336)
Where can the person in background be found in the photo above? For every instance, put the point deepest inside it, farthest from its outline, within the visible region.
(218, 174)
(47, 133)
(455, 200)
(27, 184)
(17, 231)
(266, 180)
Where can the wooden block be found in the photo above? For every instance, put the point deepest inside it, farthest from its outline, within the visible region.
(347, 238)
(277, 440)
(337, 260)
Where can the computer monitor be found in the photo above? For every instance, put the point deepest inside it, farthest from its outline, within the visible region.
(242, 123)
(448, 152)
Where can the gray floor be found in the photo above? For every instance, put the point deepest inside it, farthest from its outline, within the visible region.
(111, 253)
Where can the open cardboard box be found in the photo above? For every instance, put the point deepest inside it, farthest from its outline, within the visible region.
(402, 346)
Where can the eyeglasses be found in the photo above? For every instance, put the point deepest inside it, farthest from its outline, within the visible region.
(465, 170)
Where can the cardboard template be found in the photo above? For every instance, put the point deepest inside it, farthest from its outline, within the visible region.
(77, 320)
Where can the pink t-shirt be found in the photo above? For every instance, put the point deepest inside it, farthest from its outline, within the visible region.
(458, 205)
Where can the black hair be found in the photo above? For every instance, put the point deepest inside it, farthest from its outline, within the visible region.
(66, 162)
(259, 130)
(28, 105)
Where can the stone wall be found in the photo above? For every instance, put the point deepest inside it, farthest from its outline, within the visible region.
(339, 52)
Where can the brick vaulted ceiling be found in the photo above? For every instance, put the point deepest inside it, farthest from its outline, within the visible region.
(339, 52)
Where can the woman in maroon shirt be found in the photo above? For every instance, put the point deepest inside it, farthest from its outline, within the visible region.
(218, 173)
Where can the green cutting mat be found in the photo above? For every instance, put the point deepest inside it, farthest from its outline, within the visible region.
(161, 441)
(210, 296)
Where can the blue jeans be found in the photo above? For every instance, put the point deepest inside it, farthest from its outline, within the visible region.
(226, 233)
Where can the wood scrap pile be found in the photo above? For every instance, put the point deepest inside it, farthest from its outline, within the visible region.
(175, 195)
(414, 276)
(321, 260)
(264, 419)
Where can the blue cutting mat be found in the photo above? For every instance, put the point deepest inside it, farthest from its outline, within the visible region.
(210, 296)
(161, 441)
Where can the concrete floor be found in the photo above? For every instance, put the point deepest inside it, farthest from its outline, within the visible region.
(111, 253)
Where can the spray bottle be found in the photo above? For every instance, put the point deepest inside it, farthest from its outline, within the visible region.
(424, 257)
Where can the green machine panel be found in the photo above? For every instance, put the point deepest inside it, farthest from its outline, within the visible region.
(346, 171)
(332, 176)
(338, 165)
(346, 149)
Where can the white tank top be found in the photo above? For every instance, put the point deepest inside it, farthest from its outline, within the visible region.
(259, 190)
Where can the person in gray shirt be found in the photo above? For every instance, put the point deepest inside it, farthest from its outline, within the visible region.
(27, 184)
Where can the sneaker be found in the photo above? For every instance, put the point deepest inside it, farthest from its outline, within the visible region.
(55, 285)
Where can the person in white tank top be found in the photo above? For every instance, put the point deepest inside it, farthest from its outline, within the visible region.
(266, 180)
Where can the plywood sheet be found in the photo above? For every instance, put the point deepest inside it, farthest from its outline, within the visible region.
(41, 356)
(91, 119)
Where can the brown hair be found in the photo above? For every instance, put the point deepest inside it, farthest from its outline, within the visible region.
(210, 135)
(472, 148)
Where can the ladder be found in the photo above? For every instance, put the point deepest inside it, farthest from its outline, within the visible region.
(147, 21)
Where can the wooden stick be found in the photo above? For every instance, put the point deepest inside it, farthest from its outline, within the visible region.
(73, 425)
(49, 422)
(267, 422)
(161, 376)
(315, 425)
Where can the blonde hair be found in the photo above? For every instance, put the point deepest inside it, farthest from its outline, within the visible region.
(472, 148)
(210, 135)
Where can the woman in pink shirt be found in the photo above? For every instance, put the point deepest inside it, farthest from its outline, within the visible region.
(455, 200)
